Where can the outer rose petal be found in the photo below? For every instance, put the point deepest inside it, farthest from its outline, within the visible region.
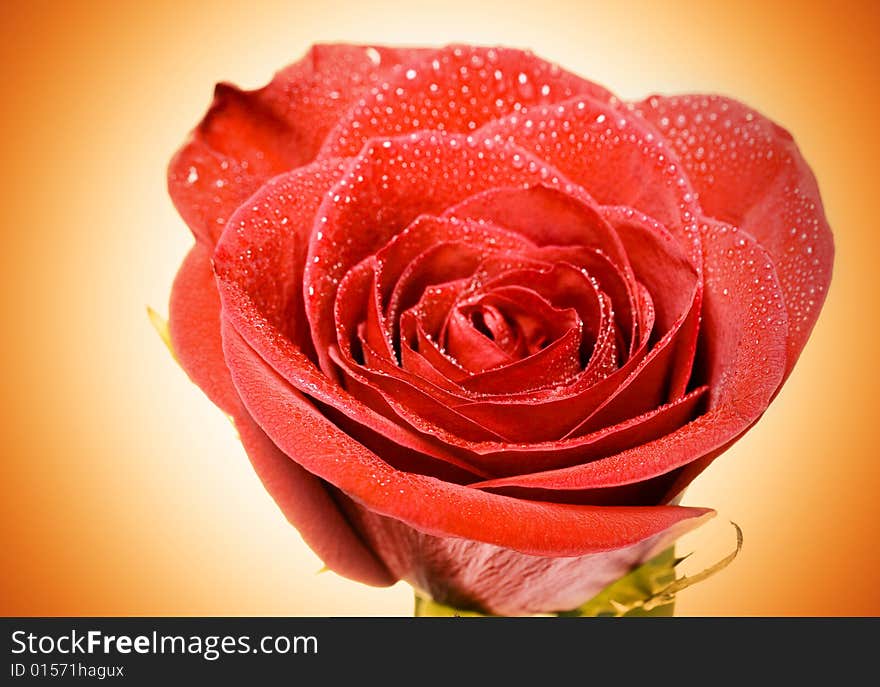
(194, 322)
(749, 172)
(470, 574)
(427, 504)
(309, 507)
(194, 325)
(249, 136)
(456, 89)
(272, 231)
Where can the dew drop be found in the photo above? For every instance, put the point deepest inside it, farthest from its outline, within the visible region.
(373, 55)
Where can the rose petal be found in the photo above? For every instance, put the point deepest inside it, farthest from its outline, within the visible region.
(269, 236)
(422, 405)
(616, 157)
(309, 507)
(750, 173)
(248, 137)
(449, 468)
(381, 193)
(554, 364)
(420, 327)
(456, 89)
(401, 264)
(525, 526)
(592, 267)
(241, 314)
(194, 325)
(513, 461)
(469, 574)
(385, 188)
(564, 286)
(265, 237)
(551, 415)
(195, 335)
(547, 216)
(526, 324)
(660, 264)
(745, 328)
(427, 407)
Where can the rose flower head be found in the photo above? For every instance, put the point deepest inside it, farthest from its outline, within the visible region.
(479, 322)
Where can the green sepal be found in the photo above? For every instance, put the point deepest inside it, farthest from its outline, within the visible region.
(628, 595)
(428, 608)
(160, 324)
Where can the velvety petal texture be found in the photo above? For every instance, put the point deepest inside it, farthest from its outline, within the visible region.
(478, 322)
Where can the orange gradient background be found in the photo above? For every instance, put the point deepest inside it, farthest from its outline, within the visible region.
(125, 492)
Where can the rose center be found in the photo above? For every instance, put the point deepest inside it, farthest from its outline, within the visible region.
(505, 325)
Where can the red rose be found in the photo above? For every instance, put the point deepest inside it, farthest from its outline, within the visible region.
(478, 321)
